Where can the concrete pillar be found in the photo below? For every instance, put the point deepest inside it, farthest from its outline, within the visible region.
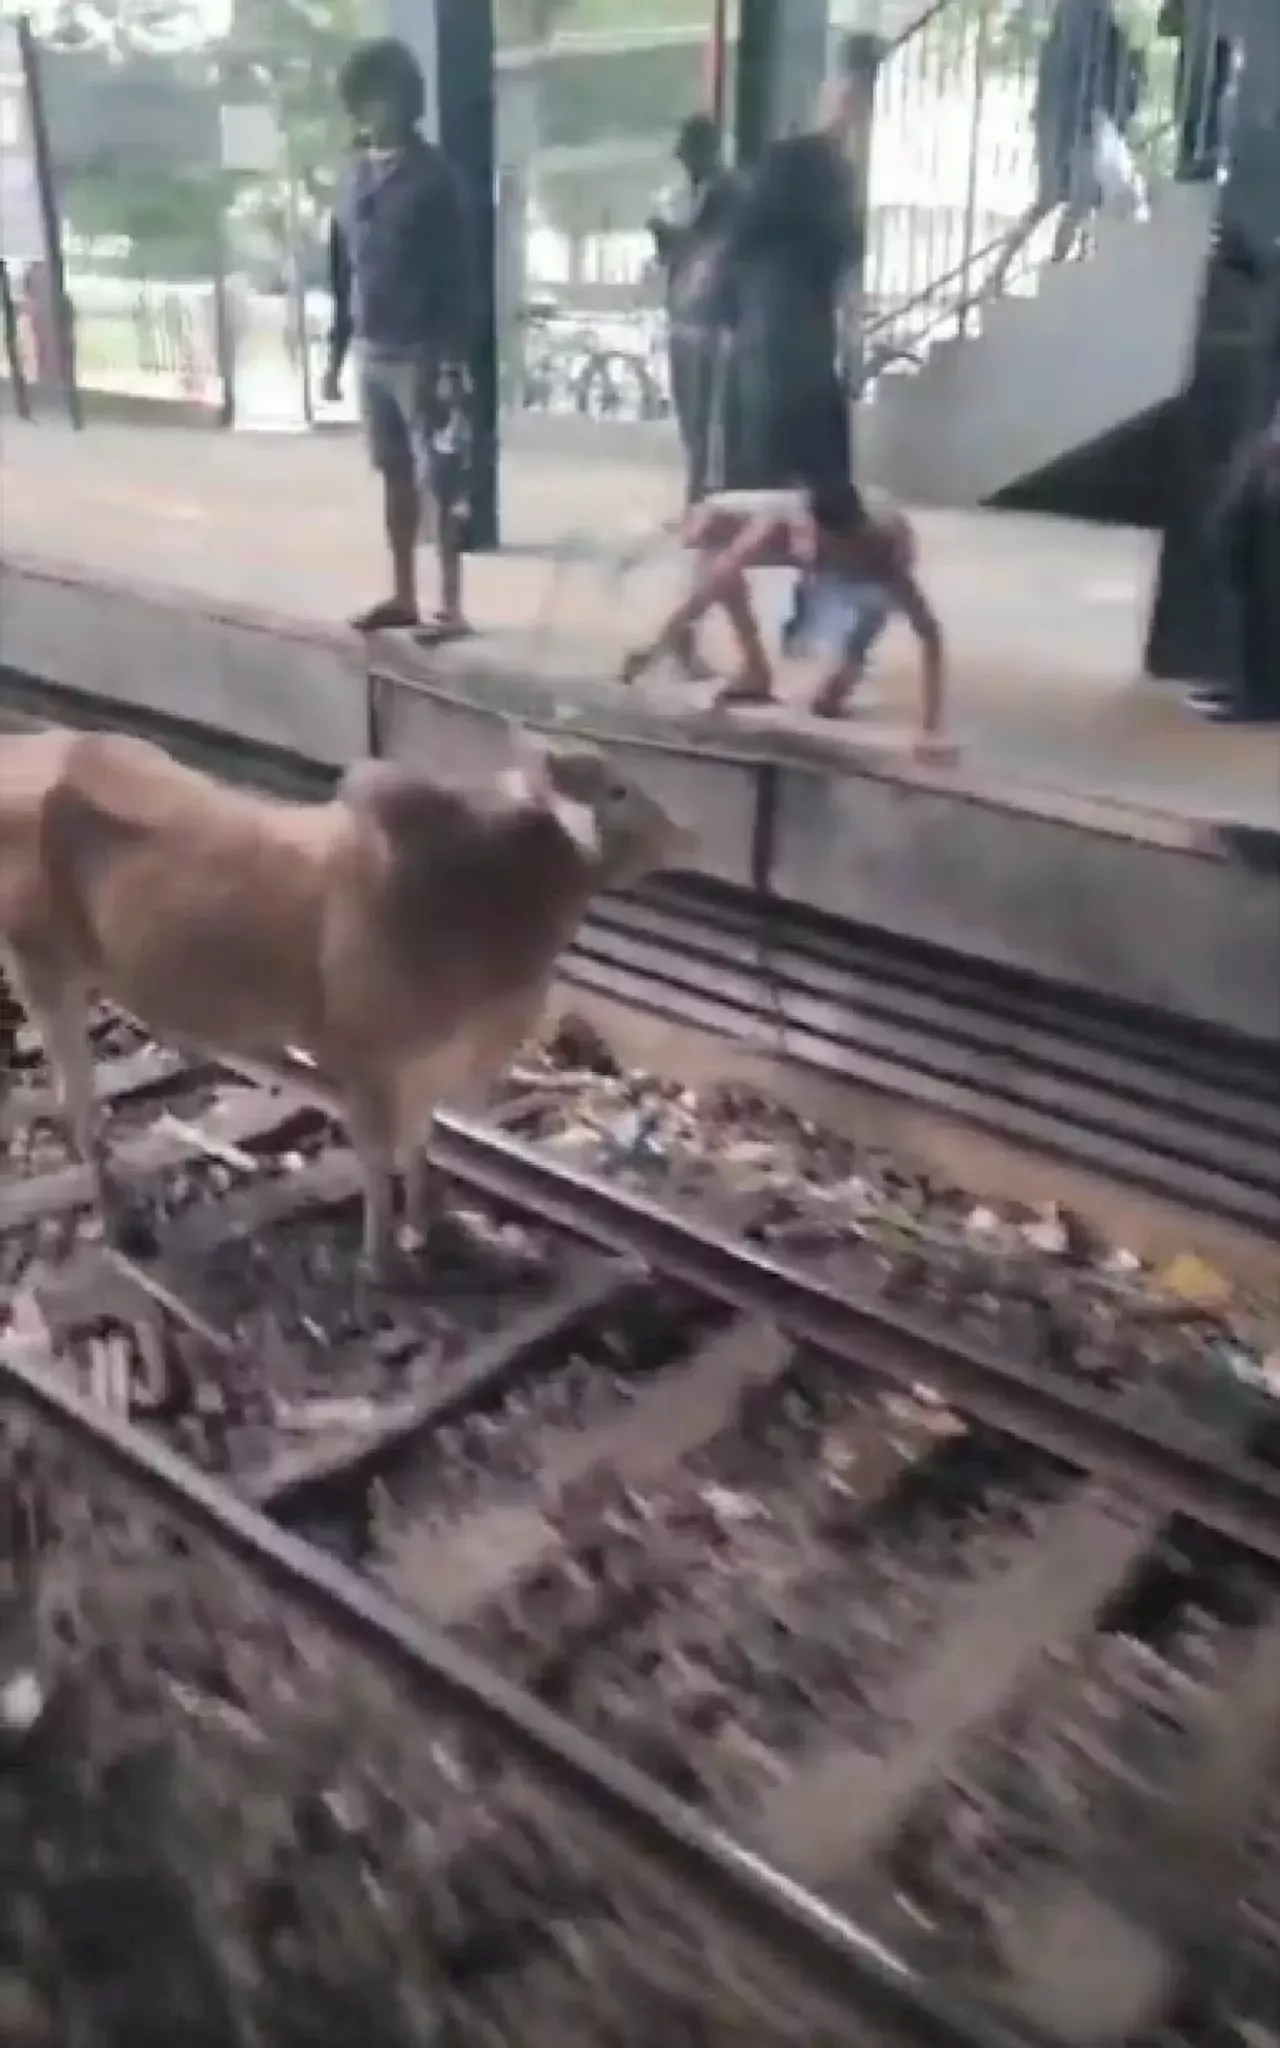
(781, 62)
(800, 64)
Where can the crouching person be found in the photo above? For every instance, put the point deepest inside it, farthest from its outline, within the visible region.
(857, 568)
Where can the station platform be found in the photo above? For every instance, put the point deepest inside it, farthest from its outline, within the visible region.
(208, 576)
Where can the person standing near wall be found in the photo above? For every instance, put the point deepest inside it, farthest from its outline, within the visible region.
(1088, 84)
(1206, 61)
(1246, 527)
(688, 248)
(793, 241)
(402, 274)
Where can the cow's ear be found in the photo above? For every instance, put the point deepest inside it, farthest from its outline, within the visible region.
(532, 780)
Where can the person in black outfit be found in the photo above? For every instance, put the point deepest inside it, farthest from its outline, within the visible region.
(1206, 60)
(1246, 526)
(1088, 73)
(792, 240)
(688, 248)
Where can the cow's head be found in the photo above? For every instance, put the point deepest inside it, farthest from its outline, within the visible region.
(620, 830)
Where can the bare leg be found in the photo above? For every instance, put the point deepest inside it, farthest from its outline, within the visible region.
(678, 642)
(64, 1025)
(373, 1141)
(449, 556)
(835, 687)
(688, 657)
(423, 1191)
(753, 683)
(401, 512)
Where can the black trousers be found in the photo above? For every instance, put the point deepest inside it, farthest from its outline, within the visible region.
(1254, 570)
(1204, 72)
(694, 357)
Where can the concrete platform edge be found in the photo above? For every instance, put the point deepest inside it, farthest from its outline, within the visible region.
(1129, 902)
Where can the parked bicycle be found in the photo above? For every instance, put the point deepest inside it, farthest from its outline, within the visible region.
(567, 363)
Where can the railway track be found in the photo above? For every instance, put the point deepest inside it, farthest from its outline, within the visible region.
(1180, 1111)
(1137, 1097)
(708, 1551)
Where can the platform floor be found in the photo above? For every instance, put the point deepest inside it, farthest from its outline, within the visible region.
(1045, 619)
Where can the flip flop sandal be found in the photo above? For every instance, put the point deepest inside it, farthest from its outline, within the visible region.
(740, 691)
(387, 617)
(833, 703)
(441, 631)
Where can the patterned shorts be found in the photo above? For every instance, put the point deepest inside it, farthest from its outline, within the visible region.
(417, 418)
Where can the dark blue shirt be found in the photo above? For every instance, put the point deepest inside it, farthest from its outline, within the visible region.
(1085, 68)
(400, 254)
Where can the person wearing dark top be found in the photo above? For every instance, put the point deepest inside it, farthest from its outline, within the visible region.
(1245, 529)
(792, 239)
(688, 249)
(402, 275)
(1206, 59)
(1088, 73)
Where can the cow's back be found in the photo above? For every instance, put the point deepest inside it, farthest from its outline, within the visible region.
(32, 765)
(194, 904)
(445, 926)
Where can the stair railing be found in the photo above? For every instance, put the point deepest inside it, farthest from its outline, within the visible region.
(953, 168)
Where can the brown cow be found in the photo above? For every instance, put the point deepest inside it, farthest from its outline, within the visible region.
(402, 934)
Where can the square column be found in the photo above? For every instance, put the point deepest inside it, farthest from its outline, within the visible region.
(782, 60)
(453, 41)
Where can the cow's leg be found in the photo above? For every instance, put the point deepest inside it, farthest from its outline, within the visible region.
(371, 1125)
(62, 1017)
(423, 1188)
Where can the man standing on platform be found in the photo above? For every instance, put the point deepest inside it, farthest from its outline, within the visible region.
(402, 276)
(1248, 524)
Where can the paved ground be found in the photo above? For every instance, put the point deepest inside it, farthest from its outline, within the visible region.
(1045, 619)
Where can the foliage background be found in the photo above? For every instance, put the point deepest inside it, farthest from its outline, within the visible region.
(288, 52)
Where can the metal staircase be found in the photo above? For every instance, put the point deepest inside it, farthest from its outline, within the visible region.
(970, 394)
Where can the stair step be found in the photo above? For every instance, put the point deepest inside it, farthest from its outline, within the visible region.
(1101, 340)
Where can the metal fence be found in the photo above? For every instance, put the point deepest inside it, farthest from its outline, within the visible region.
(953, 169)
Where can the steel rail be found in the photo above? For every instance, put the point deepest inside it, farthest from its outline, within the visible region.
(1172, 1105)
(837, 1958)
(1240, 1501)
(985, 1004)
(1180, 1157)
(1193, 1120)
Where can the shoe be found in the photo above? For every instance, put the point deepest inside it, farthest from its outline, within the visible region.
(1223, 711)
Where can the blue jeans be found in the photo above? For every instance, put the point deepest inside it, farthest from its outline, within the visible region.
(837, 619)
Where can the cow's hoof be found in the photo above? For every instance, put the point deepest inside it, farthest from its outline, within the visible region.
(128, 1221)
(392, 1270)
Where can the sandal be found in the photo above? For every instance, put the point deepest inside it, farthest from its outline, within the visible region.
(832, 703)
(390, 616)
(743, 690)
(441, 630)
